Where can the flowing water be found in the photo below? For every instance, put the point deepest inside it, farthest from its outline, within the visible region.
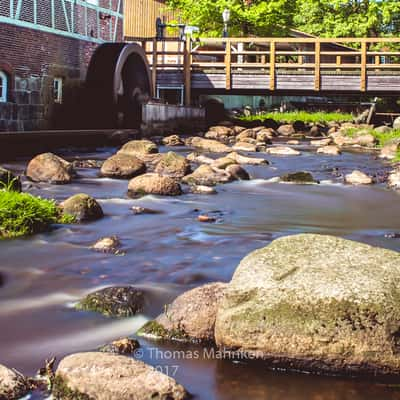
(170, 252)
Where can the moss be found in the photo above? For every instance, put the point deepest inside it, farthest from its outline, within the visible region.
(60, 390)
(303, 116)
(22, 214)
(155, 330)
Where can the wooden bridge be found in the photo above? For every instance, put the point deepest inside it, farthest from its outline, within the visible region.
(275, 65)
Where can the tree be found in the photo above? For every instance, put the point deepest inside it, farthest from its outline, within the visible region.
(248, 17)
(348, 18)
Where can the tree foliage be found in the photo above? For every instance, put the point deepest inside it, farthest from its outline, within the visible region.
(329, 18)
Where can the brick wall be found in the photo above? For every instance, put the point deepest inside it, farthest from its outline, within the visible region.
(32, 58)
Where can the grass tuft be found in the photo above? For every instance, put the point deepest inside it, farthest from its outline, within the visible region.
(22, 214)
(303, 116)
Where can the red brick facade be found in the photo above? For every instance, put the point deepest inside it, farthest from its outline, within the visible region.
(31, 58)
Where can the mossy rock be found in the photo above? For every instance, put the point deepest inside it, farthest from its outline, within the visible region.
(114, 302)
(298, 177)
(317, 303)
(82, 207)
(154, 330)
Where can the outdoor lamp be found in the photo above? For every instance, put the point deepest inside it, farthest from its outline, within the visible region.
(226, 15)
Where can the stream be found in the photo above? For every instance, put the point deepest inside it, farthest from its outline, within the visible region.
(171, 252)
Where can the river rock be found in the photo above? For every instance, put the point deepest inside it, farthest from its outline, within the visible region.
(286, 130)
(300, 177)
(207, 176)
(190, 317)
(315, 303)
(390, 149)
(48, 167)
(315, 131)
(358, 178)
(9, 181)
(138, 148)
(365, 140)
(246, 160)
(237, 172)
(329, 150)
(123, 166)
(124, 301)
(221, 133)
(199, 159)
(394, 179)
(83, 207)
(223, 162)
(109, 244)
(173, 140)
(283, 151)
(238, 129)
(245, 146)
(383, 129)
(396, 123)
(87, 164)
(173, 165)
(121, 346)
(246, 134)
(266, 135)
(137, 210)
(13, 385)
(105, 376)
(153, 183)
(321, 142)
(212, 146)
(293, 142)
(201, 189)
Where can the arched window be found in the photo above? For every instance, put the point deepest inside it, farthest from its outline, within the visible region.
(3, 87)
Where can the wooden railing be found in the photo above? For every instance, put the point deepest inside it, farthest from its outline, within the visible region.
(273, 56)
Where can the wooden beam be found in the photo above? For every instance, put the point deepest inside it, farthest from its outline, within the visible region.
(228, 71)
(187, 71)
(363, 81)
(154, 66)
(317, 73)
(272, 78)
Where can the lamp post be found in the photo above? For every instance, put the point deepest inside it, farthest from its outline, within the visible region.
(226, 15)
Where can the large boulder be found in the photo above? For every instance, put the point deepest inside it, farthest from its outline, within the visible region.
(245, 146)
(212, 146)
(105, 376)
(83, 207)
(174, 165)
(9, 181)
(153, 183)
(221, 133)
(208, 176)
(237, 172)
(48, 167)
(123, 166)
(190, 317)
(139, 148)
(246, 160)
(317, 303)
(119, 301)
(13, 385)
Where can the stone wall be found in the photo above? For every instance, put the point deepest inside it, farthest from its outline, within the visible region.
(32, 58)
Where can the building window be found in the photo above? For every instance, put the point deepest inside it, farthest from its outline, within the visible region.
(3, 87)
(58, 90)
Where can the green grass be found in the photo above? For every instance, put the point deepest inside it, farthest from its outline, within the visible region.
(382, 138)
(22, 214)
(303, 116)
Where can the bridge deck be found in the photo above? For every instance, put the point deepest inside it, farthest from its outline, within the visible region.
(301, 65)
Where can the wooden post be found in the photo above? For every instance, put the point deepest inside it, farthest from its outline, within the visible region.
(272, 65)
(317, 73)
(187, 71)
(363, 82)
(228, 83)
(154, 67)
